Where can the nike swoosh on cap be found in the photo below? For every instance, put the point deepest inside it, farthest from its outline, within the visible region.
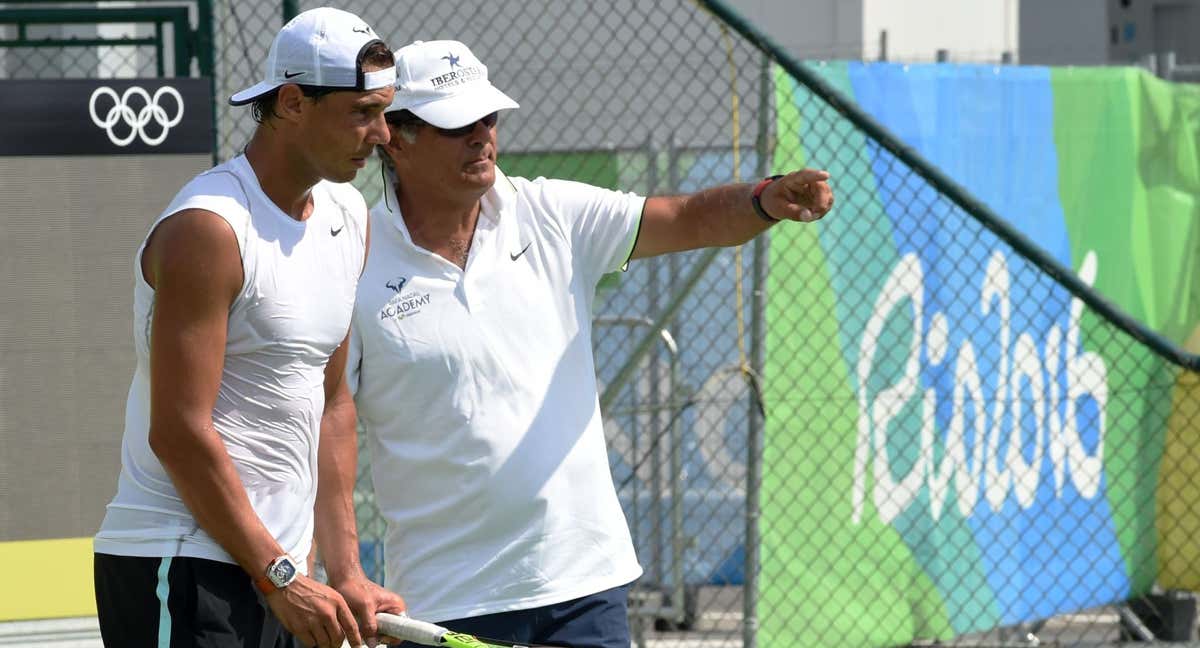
(289, 75)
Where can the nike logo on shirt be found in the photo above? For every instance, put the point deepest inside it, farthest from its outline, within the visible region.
(516, 256)
(335, 232)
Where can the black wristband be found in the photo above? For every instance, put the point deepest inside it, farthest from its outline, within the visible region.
(754, 199)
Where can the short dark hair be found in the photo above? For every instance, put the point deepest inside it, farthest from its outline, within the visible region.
(263, 106)
(374, 56)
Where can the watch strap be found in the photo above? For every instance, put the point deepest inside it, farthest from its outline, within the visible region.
(265, 585)
(756, 198)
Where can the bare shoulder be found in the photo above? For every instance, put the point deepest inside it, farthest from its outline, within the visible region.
(195, 248)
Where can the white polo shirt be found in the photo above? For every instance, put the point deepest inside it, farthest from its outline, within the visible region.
(477, 390)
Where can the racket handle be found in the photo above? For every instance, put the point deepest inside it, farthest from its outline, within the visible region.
(408, 629)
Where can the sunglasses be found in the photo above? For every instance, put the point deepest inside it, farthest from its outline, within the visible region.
(488, 120)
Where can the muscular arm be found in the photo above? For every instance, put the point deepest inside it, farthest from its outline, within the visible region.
(193, 263)
(724, 216)
(337, 457)
(337, 467)
(337, 531)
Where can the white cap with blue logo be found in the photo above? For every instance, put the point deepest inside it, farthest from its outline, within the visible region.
(445, 85)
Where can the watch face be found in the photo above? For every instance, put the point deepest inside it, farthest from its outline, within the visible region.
(282, 573)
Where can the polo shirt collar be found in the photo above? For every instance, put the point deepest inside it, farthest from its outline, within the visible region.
(498, 200)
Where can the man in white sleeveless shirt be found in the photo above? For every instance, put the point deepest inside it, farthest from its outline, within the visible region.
(238, 422)
(471, 360)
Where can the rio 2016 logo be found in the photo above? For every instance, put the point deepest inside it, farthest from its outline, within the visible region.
(126, 112)
(1061, 379)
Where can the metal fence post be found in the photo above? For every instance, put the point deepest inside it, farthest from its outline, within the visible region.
(755, 415)
(206, 61)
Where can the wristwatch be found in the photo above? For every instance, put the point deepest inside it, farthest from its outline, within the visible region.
(280, 573)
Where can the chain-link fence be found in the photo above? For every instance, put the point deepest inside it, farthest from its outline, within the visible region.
(89, 40)
(903, 423)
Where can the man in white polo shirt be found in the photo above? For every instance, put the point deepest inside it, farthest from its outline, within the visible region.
(243, 291)
(471, 360)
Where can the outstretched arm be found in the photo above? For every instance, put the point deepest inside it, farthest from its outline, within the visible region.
(725, 215)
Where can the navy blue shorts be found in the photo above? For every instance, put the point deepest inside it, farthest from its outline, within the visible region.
(596, 621)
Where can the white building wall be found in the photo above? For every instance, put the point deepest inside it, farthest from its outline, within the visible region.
(970, 30)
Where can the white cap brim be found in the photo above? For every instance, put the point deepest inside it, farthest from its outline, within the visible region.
(374, 80)
(461, 108)
(253, 92)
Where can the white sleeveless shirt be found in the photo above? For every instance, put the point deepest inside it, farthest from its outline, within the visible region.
(292, 312)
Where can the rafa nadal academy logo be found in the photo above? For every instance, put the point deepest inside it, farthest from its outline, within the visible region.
(396, 284)
(402, 304)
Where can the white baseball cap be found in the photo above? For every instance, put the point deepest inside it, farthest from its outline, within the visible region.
(445, 85)
(320, 47)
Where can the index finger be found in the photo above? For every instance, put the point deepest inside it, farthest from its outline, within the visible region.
(367, 626)
(349, 626)
(805, 176)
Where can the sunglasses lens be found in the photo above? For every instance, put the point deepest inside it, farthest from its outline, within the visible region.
(488, 121)
(457, 132)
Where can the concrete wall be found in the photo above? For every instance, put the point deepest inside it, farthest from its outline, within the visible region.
(825, 29)
(1063, 32)
(66, 347)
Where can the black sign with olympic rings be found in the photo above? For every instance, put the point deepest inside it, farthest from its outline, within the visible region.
(106, 117)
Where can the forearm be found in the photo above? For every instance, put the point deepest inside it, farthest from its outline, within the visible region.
(206, 480)
(337, 460)
(717, 217)
(723, 216)
(726, 216)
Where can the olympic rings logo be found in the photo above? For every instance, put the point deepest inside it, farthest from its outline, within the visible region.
(136, 120)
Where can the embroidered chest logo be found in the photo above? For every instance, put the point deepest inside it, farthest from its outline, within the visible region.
(402, 304)
(516, 256)
(345, 218)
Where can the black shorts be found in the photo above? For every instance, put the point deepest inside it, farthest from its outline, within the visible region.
(182, 602)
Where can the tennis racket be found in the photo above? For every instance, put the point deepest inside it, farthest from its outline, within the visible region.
(431, 634)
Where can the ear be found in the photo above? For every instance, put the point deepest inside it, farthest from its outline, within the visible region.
(290, 103)
(396, 147)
